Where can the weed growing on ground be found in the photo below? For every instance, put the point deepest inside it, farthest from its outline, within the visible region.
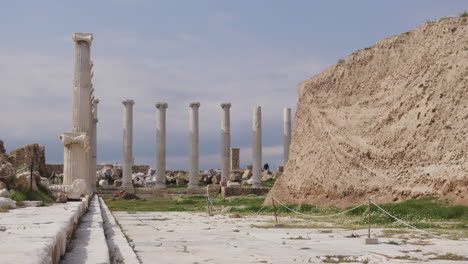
(450, 256)
(464, 14)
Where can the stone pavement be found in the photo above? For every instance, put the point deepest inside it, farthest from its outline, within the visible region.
(177, 237)
(38, 234)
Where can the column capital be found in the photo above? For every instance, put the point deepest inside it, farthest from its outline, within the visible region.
(80, 36)
(161, 105)
(128, 102)
(194, 104)
(226, 105)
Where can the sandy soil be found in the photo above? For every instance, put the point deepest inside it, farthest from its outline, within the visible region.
(389, 123)
(196, 238)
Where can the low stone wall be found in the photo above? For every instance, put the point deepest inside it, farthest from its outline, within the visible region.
(39, 234)
(238, 191)
(50, 168)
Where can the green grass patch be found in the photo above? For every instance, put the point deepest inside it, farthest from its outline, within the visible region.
(450, 256)
(42, 194)
(268, 183)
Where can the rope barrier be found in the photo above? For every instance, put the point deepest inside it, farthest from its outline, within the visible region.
(406, 224)
(318, 216)
(212, 205)
(259, 210)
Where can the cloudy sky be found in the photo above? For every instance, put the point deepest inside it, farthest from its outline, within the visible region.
(244, 52)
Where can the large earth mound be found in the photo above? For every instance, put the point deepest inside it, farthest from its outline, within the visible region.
(389, 123)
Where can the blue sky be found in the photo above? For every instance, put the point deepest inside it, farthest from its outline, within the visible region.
(244, 52)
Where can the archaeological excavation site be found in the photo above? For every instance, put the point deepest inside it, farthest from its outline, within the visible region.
(235, 141)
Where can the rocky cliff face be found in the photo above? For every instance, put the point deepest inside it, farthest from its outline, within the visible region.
(389, 123)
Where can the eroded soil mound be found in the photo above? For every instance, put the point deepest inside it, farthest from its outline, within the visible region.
(389, 123)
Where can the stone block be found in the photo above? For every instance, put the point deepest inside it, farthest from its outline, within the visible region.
(238, 191)
(213, 188)
(372, 241)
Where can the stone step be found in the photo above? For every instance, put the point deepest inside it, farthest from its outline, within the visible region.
(89, 243)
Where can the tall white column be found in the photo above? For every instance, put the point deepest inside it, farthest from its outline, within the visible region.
(77, 154)
(194, 170)
(161, 146)
(257, 146)
(127, 144)
(94, 144)
(286, 133)
(225, 143)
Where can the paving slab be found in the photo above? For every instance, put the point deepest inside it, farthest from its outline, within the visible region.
(38, 234)
(181, 237)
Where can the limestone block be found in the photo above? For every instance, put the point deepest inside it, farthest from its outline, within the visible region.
(235, 176)
(238, 191)
(4, 193)
(7, 203)
(60, 197)
(247, 174)
(74, 191)
(104, 183)
(31, 203)
(267, 175)
(181, 181)
(233, 184)
(214, 188)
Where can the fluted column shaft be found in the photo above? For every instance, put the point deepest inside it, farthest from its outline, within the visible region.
(286, 133)
(127, 144)
(94, 144)
(257, 147)
(161, 146)
(77, 157)
(194, 166)
(225, 143)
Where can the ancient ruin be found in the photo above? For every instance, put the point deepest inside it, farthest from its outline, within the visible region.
(161, 146)
(77, 144)
(127, 144)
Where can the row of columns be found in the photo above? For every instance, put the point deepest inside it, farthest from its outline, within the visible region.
(194, 144)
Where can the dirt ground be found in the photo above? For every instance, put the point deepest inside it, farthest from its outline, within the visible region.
(179, 237)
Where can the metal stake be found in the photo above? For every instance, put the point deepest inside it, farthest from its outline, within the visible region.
(369, 220)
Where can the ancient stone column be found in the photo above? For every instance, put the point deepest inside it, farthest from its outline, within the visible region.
(77, 152)
(257, 147)
(286, 133)
(94, 145)
(193, 171)
(161, 146)
(127, 144)
(225, 143)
